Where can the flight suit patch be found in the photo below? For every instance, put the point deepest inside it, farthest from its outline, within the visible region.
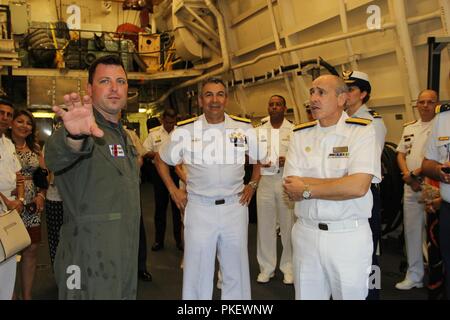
(116, 151)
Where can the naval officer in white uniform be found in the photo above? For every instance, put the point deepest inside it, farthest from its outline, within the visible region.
(212, 148)
(329, 167)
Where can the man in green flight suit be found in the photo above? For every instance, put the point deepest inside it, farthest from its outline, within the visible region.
(96, 173)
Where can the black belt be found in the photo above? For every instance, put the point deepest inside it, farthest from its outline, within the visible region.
(220, 201)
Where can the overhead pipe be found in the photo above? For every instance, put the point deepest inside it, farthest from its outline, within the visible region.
(225, 56)
(386, 26)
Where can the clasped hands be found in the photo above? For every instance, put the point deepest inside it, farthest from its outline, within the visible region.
(294, 186)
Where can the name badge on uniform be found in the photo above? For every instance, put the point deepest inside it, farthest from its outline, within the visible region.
(339, 152)
(238, 138)
(444, 138)
(116, 150)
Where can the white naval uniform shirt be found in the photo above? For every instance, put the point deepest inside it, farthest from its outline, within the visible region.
(413, 141)
(276, 142)
(213, 155)
(334, 152)
(9, 165)
(438, 146)
(155, 139)
(378, 124)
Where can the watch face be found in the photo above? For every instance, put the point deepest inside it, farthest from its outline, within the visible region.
(306, 194)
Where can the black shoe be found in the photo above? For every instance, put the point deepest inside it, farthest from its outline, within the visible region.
(145, 276)
(180, 246)
(157, 246)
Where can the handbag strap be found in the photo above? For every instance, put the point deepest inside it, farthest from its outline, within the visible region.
(6, 210)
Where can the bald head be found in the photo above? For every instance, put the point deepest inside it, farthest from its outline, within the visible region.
(327, 96)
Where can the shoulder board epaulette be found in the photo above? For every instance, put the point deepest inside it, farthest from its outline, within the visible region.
(187, 121)
(375, 114)
(240, 119)
(155, 128)
(358, 121)
(442, 108)
(409, 123)
(305, 125)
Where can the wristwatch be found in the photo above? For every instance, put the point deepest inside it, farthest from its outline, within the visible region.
(253, 184)
(306, 192)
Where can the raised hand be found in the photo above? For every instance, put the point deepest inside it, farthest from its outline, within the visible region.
(79, 117)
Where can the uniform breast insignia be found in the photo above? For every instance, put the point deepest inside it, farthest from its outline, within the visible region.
(245, 120)
(409, 123)
(155, 129)
(442, 108)
(238, 139)
(375, 114)
(339, 152)
(358, 121)
(305, 125)
(187, 121)
(444, 138)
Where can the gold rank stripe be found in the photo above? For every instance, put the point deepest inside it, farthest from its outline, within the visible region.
(444, 138)
(442, 108)
(409, 123)
(305, 125)
(155, 128)
(187, 121)
(359, 121)
(240, 119)
(375, 114)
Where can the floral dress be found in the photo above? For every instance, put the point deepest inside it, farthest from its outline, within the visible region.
(30, 162)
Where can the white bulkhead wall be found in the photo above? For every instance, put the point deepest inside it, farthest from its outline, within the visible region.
(379, 54)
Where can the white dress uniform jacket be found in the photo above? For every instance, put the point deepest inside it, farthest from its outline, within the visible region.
(214, 158)
(438, 147)
(9, 165)
(155, 139)
(377, 122)
(412, 144)
(332, 240)
(273, 205)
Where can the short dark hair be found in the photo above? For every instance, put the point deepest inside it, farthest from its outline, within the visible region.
(108, 60)
(216, 81)
(169, 112)
(281, 97)
(5, 101)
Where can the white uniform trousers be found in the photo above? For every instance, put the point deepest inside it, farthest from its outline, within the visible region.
(272, 203)
(7, 278)
(414, 223)
(331, 263)
(208, 227)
